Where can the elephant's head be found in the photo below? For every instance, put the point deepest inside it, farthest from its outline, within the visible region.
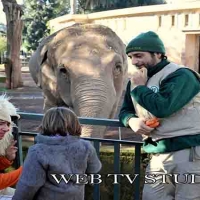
(83, 67)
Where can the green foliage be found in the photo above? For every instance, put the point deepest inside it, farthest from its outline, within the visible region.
(2, 29)
(85, 6)
(107, 186)
(37, 13)
(3, 43)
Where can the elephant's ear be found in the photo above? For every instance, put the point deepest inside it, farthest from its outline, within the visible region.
(44, 57)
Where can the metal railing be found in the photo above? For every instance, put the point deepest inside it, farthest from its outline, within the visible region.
(23, 58)
(2, 58)
(96, 141)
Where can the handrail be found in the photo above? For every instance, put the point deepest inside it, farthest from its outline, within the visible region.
(83, 120)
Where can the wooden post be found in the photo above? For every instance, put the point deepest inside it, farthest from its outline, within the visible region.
(13, 13)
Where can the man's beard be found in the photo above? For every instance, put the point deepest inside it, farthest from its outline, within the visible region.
(140, 66)
(147, 66)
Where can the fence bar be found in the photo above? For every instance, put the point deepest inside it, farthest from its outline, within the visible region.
(96, 194)
(117, 170)
(137, 171)
(16, 137)
(20, 151)
(83, 120)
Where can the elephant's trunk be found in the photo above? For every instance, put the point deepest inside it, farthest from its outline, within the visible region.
(94, 98)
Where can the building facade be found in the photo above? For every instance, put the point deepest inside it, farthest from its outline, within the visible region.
(178, 25)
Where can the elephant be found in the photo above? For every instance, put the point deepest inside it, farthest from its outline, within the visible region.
(83, 67)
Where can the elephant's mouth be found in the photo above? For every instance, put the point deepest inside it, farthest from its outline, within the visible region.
(63, 104)
(69, 107)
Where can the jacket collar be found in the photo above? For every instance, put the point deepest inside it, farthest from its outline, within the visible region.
(155, 69)
(56, 140)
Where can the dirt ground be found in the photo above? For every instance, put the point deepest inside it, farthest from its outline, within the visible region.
(29, 99)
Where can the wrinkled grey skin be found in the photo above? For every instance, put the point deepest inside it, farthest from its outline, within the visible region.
(83, 67)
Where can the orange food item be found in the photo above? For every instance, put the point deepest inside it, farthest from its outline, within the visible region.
(153, 123)
(10, 178)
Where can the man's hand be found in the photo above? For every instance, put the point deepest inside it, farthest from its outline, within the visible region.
(139, 78)
(138, 126)
(11, 151)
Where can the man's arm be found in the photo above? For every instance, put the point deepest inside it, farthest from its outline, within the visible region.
(127, 110)
(128, 115)
(176, 90)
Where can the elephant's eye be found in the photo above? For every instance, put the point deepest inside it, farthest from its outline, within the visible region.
(63, 71)
(117, 70)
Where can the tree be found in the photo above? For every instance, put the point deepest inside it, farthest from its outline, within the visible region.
(100, 5)
(13, 13)
(36, 17)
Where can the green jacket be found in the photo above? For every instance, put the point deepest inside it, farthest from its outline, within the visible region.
(176, 90)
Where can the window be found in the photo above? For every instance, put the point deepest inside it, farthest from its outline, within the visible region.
(173, 20)
(199, 19)
(186, 20)
(160, 21)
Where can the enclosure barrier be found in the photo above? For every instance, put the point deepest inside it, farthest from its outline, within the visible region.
(24, 58)
(18, 133)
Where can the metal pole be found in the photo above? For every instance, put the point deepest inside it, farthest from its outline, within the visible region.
(16, 137)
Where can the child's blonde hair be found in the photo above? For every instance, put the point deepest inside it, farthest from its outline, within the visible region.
(61, 121)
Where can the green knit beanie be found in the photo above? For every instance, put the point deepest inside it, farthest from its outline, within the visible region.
(147, 42)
